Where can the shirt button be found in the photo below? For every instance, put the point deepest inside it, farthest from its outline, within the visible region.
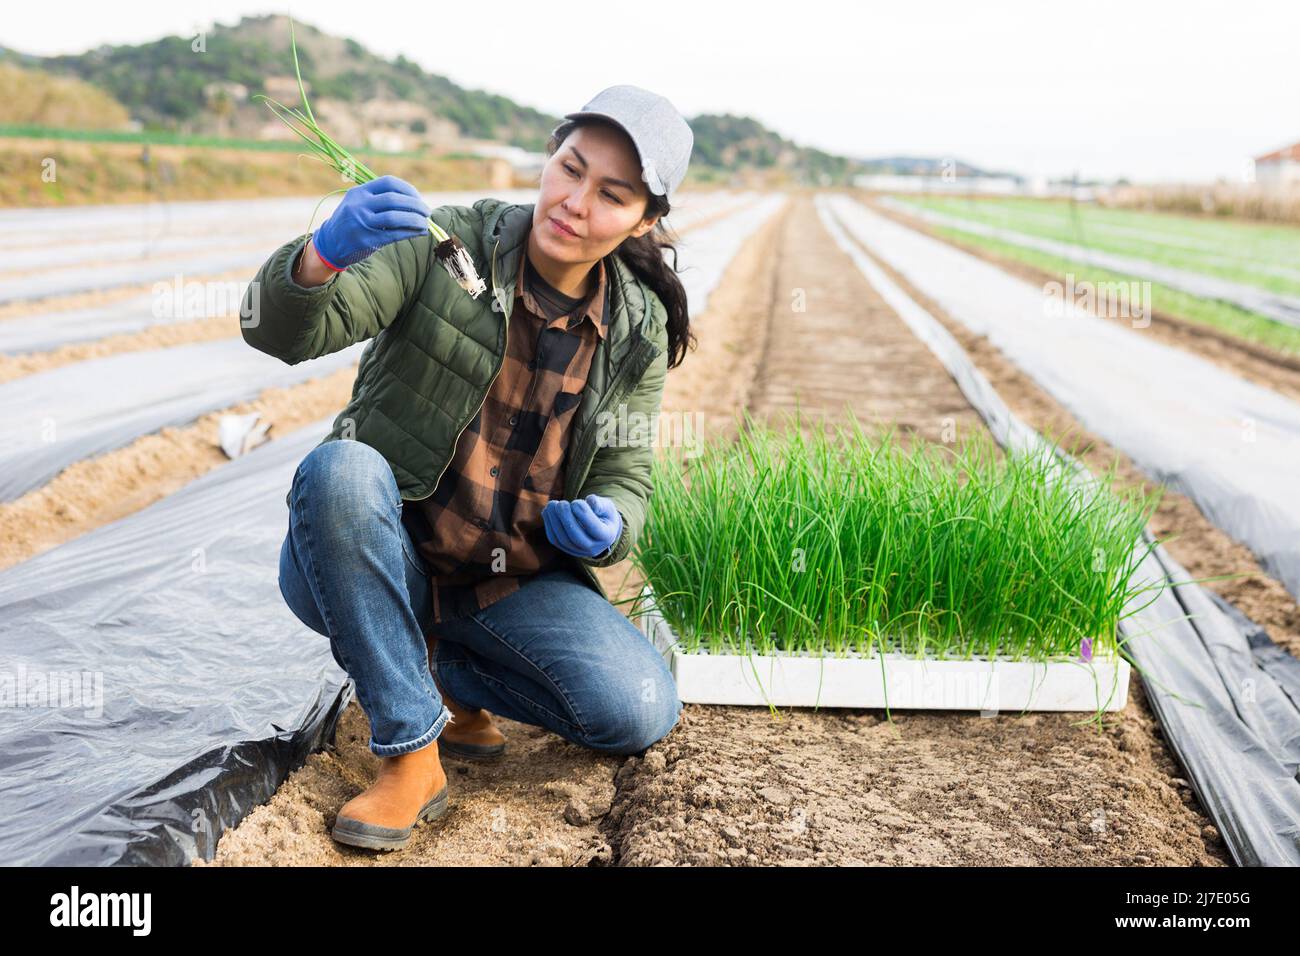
(514, 419)
(494, 471)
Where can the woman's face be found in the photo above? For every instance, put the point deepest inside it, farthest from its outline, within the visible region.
(593, 185)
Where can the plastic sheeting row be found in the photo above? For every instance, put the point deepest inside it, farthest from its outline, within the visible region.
(160, 687)
(156, 246)
(77, 411)
(705, 252)
(58, 238)
(156, 235)
(1227, 698)
(182, 295)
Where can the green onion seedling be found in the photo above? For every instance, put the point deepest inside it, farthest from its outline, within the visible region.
(843, 541)
(450, 251)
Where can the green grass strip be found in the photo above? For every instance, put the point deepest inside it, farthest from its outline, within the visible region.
(1222, 316)
(1266, 256)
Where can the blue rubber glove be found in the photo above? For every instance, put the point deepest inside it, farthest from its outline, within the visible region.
(585, 528)
(371, 215)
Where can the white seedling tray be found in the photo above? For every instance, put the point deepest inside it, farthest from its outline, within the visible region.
(798, 679)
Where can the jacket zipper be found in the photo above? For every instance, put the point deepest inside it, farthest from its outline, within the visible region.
(614, 389)
(500, 365)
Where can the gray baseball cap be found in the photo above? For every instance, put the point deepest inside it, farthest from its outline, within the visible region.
(661, 135)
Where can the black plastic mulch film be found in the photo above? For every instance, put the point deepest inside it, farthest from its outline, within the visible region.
(163, 688)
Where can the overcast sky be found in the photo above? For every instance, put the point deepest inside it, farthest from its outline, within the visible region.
(1139, 88)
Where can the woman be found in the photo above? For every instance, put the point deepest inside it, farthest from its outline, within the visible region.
(448, 524)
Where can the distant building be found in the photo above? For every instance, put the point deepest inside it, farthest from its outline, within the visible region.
(521, 160)
(284, 88)
(1280, 168)
(389, 141)
(234, 92)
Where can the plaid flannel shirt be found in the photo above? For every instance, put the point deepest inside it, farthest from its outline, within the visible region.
(481, 530)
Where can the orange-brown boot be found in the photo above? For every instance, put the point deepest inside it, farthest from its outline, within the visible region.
(470, 732)
(410, 788)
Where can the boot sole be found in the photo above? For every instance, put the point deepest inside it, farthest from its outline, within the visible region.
(371, 836)
(471, 751)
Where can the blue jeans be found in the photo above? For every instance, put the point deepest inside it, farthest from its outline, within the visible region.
(553, 653)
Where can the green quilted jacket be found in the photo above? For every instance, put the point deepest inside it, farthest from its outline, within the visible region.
(434, 353)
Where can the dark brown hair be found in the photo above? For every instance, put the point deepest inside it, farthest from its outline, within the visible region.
(644, 255)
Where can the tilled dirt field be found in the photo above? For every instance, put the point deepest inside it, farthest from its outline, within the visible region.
(740, 785)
